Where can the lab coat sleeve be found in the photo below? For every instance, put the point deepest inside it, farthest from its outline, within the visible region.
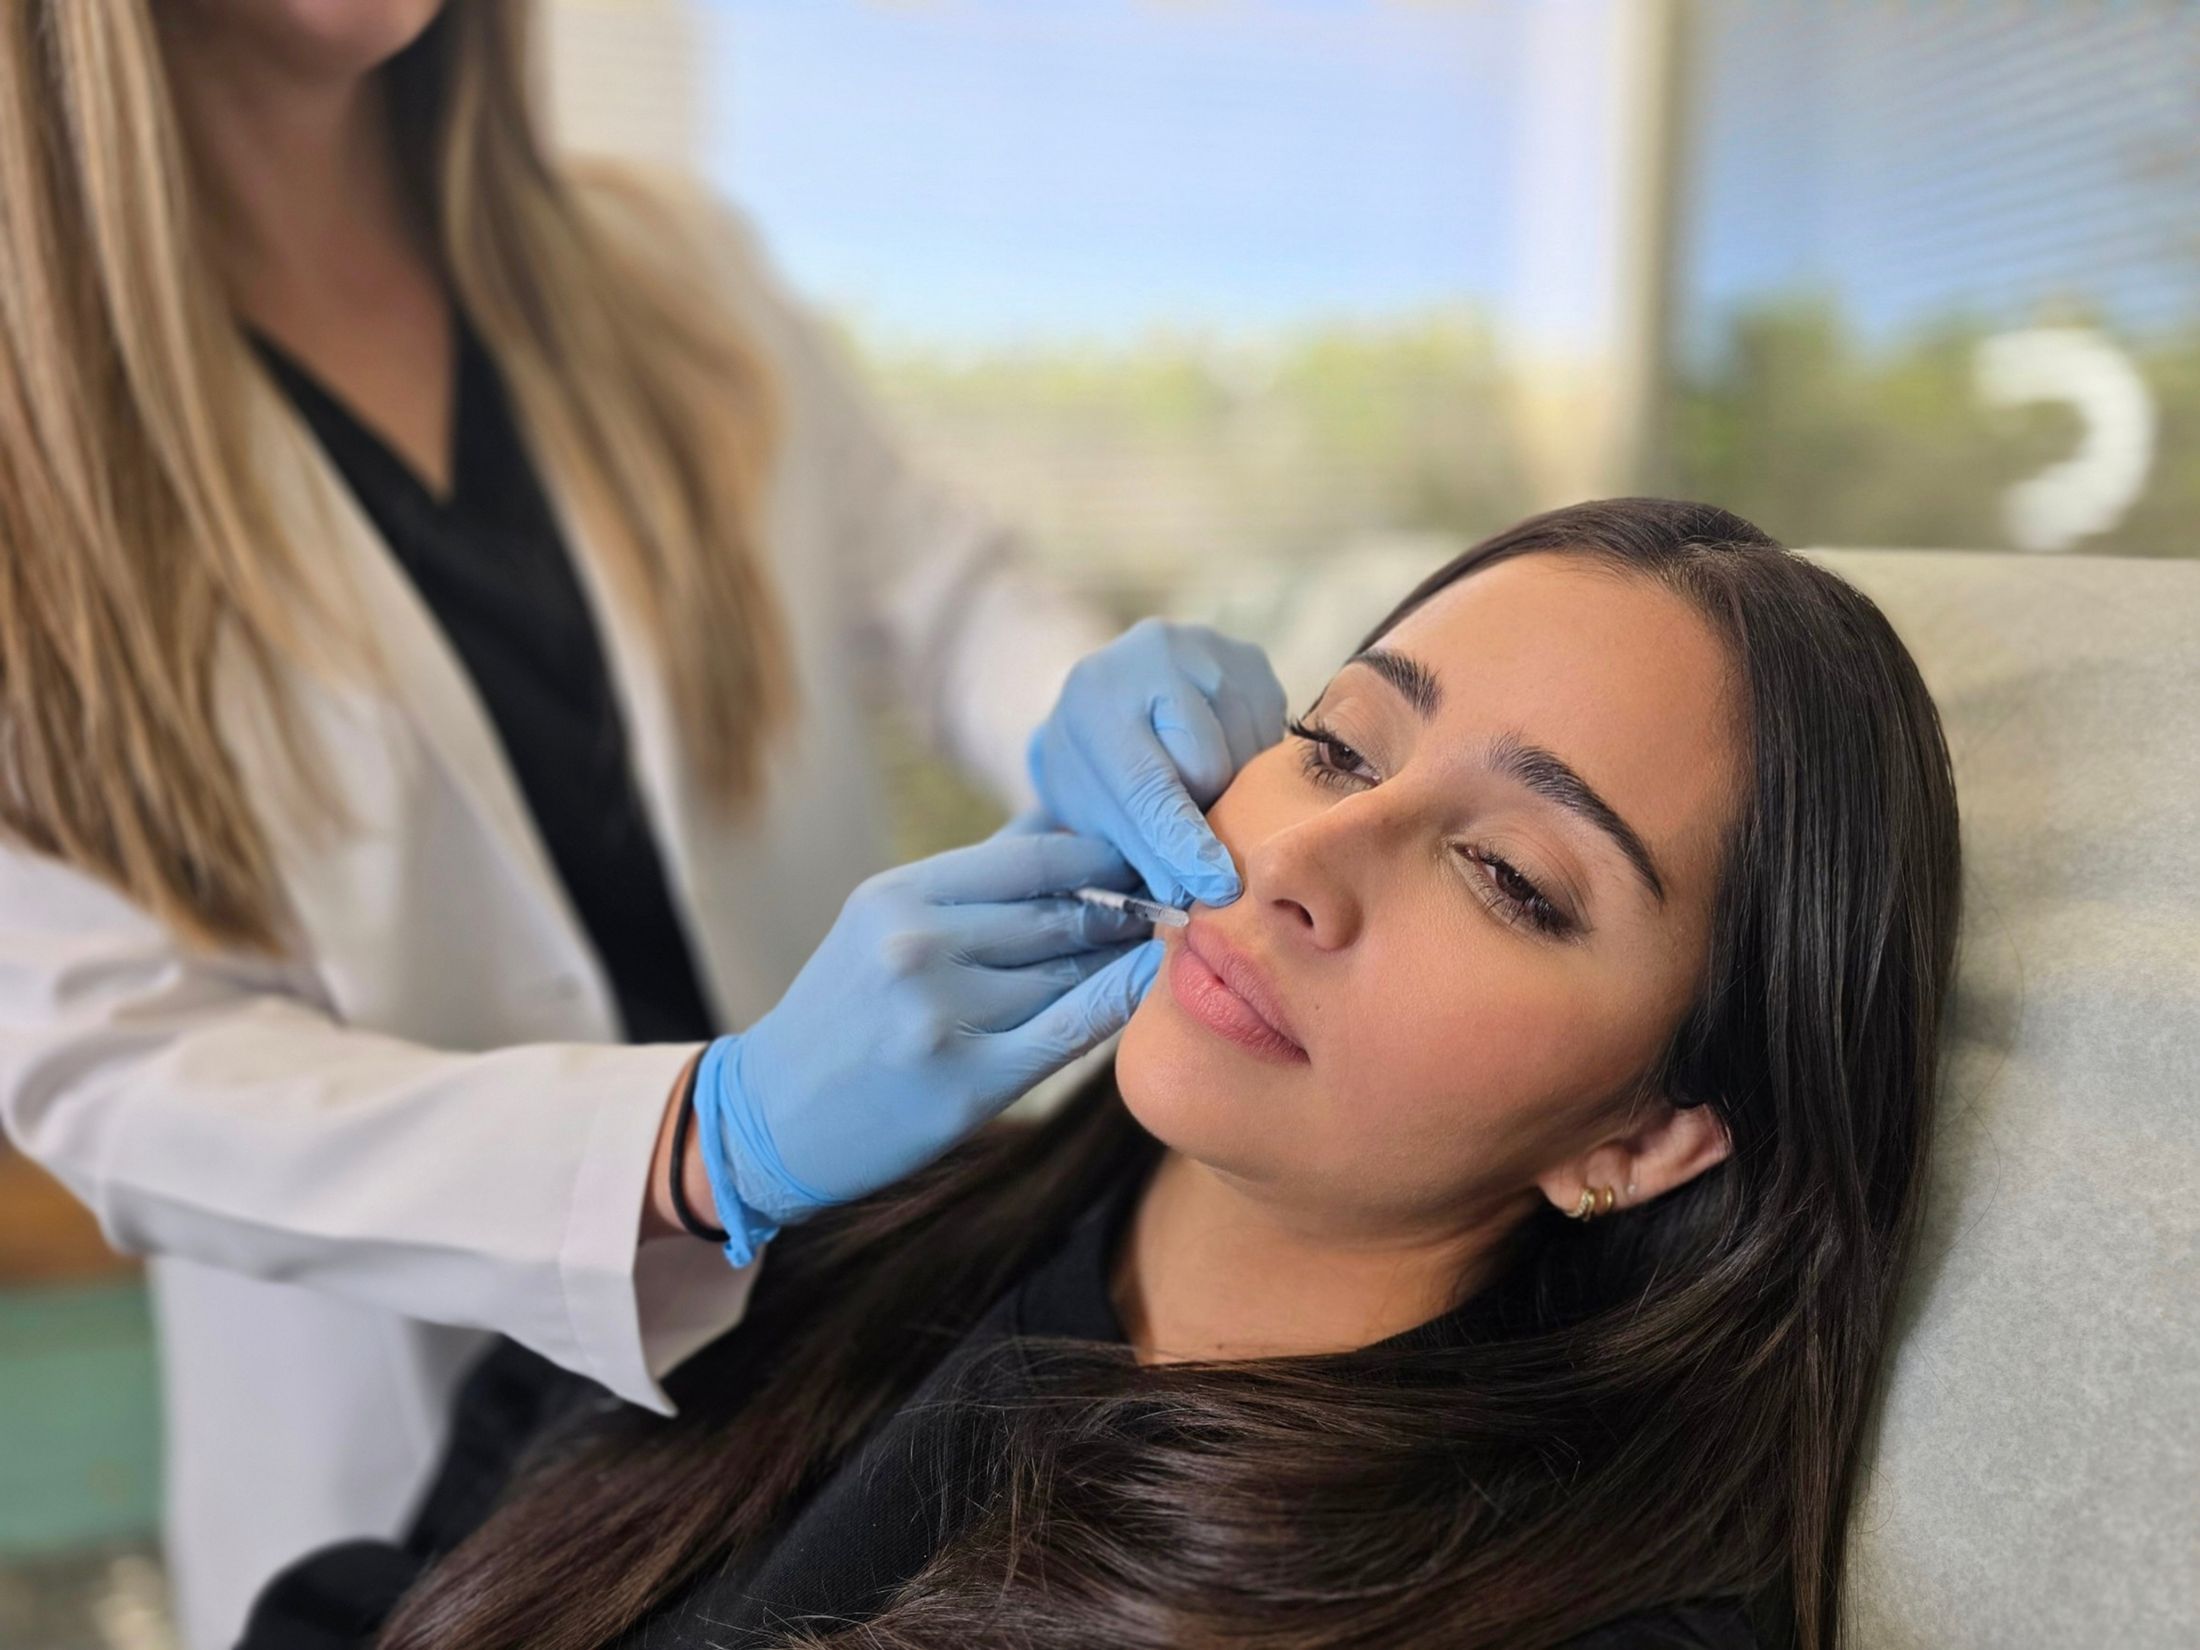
(213, 1107)
(975, 638)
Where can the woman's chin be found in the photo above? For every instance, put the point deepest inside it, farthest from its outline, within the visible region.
(1189, 1089)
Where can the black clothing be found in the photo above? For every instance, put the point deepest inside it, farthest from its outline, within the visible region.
(491, 564)
(901, 1493)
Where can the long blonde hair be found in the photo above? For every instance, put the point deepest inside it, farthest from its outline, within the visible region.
(134, 530)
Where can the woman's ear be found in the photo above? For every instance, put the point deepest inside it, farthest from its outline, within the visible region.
(1664, 1146)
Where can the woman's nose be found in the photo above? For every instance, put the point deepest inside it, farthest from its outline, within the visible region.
(1310, 876)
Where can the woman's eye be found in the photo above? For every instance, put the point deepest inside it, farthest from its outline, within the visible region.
(1512, 895)
(1327, 759)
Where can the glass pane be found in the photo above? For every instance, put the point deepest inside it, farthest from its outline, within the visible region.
(1191, 293)
(1940, 274)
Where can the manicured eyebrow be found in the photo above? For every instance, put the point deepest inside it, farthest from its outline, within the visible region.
(1539, 770)
(1409, 676)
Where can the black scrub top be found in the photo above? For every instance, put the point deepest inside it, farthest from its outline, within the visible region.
(491, 564)
(903, 1491)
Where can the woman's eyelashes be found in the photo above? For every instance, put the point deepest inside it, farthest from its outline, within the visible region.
(1520, 900)
(1328, 760)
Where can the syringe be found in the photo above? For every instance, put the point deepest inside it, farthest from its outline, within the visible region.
(1165, 916)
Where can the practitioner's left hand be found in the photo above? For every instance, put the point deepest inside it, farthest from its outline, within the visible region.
(1149, 730)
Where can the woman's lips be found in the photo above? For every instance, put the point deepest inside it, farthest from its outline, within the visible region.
(1217, 986)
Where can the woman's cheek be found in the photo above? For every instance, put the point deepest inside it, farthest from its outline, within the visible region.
(1435, 1057)
(1258, 802)
(1141, 1053)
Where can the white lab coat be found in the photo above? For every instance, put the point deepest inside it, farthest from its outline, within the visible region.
(348, 1165)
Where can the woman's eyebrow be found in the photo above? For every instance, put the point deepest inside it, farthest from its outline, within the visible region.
(1541, 771)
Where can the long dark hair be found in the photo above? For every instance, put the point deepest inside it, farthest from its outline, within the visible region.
(1672, 1411)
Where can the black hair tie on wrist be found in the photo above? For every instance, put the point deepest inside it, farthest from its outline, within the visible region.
(695, 1226)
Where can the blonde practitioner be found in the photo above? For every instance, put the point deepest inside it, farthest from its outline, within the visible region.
(441, 593)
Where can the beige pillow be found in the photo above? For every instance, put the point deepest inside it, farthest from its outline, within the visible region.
(2035, 1481)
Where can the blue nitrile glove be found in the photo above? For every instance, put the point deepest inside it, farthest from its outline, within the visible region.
(1149, 730)
(944, 990)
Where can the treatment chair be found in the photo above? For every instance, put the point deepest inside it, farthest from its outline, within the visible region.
(2035, 1479)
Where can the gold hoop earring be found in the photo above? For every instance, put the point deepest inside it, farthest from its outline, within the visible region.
(1597, 1200)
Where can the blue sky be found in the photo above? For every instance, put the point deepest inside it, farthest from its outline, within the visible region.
(1924, 159)
(977, 172)
(980, 170)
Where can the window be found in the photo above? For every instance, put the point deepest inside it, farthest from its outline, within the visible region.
(1195, 293)
(1938, 273)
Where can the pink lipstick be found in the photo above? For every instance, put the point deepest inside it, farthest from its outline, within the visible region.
(1227, 992)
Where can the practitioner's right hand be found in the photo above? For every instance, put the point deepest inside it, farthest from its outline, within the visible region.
(945, 989)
